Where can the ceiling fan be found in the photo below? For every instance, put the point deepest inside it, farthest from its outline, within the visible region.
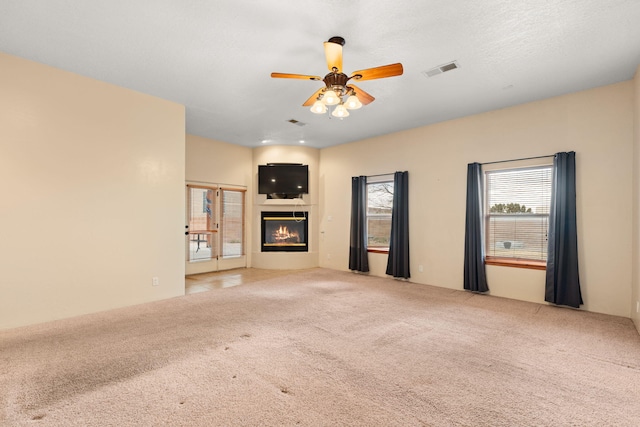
(338, 91)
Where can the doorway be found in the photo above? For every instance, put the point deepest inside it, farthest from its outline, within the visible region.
(215, 231)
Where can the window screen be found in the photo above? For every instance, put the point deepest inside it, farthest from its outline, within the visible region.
(232, 223)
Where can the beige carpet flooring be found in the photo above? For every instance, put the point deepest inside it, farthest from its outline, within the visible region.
(324, 348)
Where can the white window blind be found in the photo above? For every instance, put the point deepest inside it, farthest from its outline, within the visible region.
(517, 212)
(232, 221)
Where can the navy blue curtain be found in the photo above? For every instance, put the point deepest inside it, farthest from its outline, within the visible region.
(398, 261)
(358, 259)
(562, 284)
(475, 277)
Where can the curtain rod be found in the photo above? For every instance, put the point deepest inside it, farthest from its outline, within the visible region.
(217, 184)
(516, 160)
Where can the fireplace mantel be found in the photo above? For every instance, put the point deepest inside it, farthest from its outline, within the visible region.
(284, 202)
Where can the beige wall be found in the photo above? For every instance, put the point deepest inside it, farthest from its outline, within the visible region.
(597, 124)
(635, 298)
(218, 162)
(92, 184)
(214, 162)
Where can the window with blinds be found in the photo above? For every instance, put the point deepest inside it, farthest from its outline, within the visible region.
(232, 229)
(379, 208)
(516, 210)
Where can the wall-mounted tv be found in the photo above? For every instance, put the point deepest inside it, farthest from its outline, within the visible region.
(283, 180)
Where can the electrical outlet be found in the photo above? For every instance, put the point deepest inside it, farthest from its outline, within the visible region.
(155, 281)
(328, 256)
(420, 269)
(637, 306)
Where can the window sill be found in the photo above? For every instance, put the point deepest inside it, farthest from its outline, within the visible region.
(518, 263)
(378, 250)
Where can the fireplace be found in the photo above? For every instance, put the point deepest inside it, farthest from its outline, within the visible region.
(285, 231)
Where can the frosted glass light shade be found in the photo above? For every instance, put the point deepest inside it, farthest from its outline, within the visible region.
(340, 111)
(330, 98)
(318, 108)
(353, 103)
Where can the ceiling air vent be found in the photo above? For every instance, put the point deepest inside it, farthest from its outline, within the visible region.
(296, 122)
(441, 69)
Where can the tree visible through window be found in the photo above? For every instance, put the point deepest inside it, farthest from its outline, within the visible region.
(517, 206)
(379, 207)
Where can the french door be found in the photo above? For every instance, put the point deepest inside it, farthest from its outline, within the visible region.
(215, 228)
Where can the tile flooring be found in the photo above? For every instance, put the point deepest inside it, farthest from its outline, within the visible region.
(223, 279)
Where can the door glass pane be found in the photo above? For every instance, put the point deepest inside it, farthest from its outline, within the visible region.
(232, 223)
(202, 224)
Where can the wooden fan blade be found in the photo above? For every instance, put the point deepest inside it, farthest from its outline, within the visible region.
(363, 96)
(378, 72)
(309, 102)
(333, 53)
(294, 76)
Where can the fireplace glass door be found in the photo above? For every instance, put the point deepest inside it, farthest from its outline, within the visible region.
(285, 231)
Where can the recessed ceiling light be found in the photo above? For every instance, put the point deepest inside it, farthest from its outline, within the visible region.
(301, 141)
(264, 141)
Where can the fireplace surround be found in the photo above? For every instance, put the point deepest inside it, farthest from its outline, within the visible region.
(285, 231)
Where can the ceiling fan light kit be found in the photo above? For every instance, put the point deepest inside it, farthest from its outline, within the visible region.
(337, 90)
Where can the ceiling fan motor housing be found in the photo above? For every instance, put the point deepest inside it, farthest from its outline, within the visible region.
(336, 81)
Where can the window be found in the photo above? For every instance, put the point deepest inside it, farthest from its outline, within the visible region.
(379, 207)
(517, 216)
(232, 230)
(215, 223)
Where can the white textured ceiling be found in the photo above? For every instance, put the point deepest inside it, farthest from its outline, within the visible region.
(215, 57)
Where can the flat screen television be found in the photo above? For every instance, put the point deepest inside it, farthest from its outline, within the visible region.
(283, 180)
